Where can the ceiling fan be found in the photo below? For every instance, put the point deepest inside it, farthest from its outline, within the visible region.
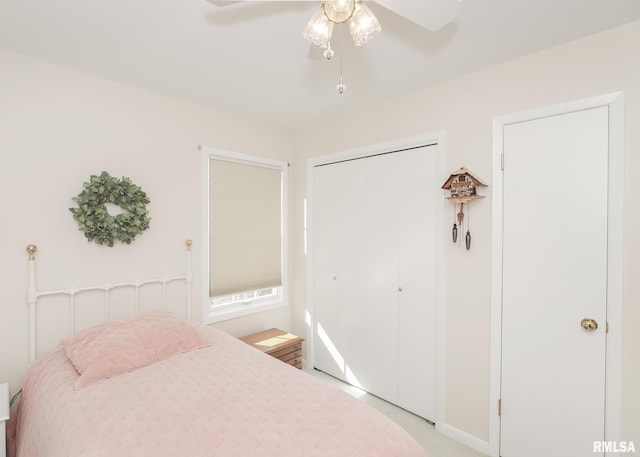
(363, 25)
(429, 14)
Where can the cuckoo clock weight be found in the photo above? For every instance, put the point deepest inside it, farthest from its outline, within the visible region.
(462, 185)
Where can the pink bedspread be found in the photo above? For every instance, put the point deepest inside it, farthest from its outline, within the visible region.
(225, 400)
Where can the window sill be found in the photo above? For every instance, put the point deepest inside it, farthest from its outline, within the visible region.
(234, 311)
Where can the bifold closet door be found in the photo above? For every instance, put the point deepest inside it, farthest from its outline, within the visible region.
(382, 292)
(339, 269)
(418, 207)
(402, 212)
(375, 222)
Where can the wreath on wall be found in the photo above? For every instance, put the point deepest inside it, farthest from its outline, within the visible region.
(94, 219)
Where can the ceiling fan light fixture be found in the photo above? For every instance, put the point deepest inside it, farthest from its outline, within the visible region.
(363, 25)
(319, 29)
(339, 11)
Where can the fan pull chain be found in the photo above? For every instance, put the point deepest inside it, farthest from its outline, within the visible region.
(341, 87)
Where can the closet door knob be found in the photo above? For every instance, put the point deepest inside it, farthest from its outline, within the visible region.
(399, 289)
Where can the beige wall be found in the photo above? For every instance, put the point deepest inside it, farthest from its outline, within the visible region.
(58, 127)
(464, 109)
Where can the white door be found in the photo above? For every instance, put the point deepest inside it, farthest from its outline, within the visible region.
(382, 276)
(418, 215)
(375, 243)
(402, 212)
(339, 269)
(554, 277)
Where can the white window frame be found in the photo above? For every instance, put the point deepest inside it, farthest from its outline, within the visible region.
(245, 308)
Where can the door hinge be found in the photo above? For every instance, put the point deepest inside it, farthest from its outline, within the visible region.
(500, 407)
(607, 327)
(502, 161)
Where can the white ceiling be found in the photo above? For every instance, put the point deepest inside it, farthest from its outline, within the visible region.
(250, 58)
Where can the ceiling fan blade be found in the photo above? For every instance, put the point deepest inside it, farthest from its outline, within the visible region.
(431, 14)
(223, 2)
(233, 2)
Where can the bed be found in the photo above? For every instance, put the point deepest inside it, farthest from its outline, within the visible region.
(155, 385)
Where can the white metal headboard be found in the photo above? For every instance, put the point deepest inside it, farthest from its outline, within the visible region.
(33, 294)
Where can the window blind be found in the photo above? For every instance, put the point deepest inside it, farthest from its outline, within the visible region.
(245, 232)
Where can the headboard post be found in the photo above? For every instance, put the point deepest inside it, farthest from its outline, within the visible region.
(188, 279)
(32, 297)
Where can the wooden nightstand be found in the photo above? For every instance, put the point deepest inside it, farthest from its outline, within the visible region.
(4, 417)
(279, 344)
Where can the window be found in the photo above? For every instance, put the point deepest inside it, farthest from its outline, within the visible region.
(245, 231)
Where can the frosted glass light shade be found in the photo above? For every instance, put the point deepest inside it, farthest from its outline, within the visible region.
(363, 25)
(318, 30)
(338, 10)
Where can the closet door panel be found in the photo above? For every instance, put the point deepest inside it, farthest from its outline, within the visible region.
(325, 289)
(382, 277)
(418, 214)
(351, 278)
(339, 250)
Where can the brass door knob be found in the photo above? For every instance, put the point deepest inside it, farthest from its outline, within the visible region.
(589, 324)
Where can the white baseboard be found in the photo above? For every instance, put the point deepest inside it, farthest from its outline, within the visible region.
(463, 437)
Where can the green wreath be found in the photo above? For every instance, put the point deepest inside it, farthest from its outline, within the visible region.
(94, 219)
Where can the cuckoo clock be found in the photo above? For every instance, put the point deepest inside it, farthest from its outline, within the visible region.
(462, 186)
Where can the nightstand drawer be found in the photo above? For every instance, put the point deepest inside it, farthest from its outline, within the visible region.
(296, 362)
(287, 353)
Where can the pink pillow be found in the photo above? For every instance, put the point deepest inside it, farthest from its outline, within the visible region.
(112, 348)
